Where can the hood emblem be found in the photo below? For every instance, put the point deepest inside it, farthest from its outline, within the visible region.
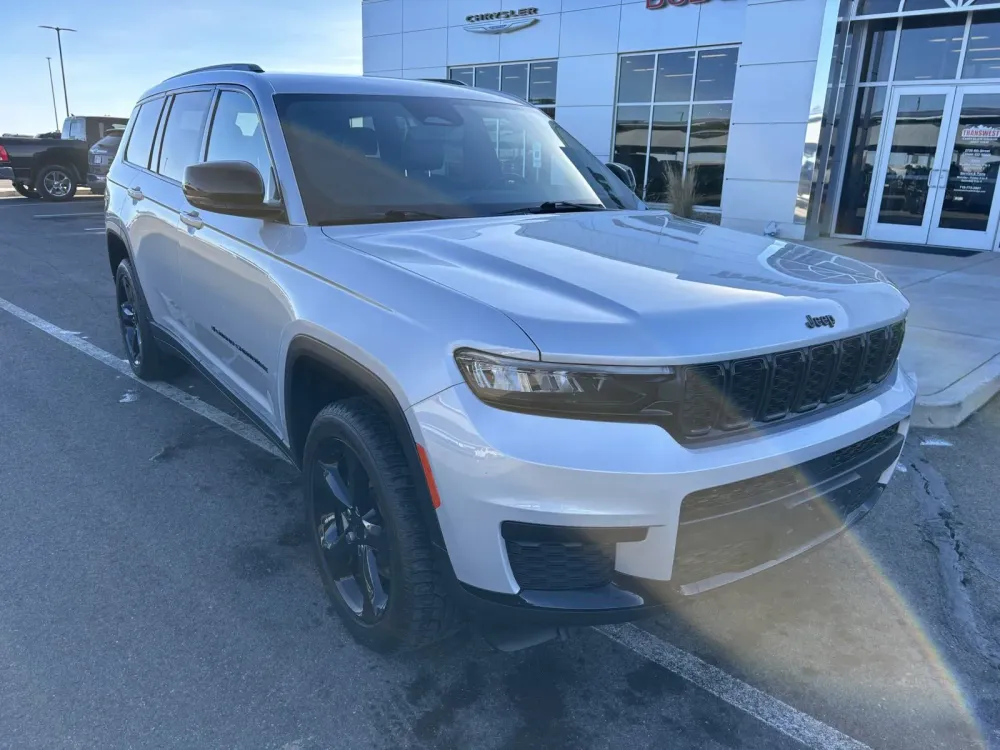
(820, 322)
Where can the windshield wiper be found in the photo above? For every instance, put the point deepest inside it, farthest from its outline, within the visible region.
(393, 214)
(554, 207)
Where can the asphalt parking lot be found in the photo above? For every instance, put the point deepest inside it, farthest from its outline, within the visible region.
(156, 589)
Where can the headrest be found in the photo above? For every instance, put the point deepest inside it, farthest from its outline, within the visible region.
(422, 151)
(362, 140)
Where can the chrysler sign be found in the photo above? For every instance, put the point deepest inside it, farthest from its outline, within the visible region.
(502, 22)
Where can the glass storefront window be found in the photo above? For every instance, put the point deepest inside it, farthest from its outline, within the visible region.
(929, 48)
(707, 150)
(635, 78)
(716, 75)
(860, 169)
(682, 123)
(673, 77)
(631, 140)
(488, 77)
(870, 7)
(982, 55)
(514, 80)
(535, 82)
(878, 55)
(542, 86)
(667, 144)
(465, 75)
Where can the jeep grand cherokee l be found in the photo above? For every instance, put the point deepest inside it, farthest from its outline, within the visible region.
(514, 393)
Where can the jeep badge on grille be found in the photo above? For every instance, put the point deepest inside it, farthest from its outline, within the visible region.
(819, 322)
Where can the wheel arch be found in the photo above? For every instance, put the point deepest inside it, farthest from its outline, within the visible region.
(118, 249)
(317, 374)
(56, 158)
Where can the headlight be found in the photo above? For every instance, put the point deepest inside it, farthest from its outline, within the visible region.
(617, 393)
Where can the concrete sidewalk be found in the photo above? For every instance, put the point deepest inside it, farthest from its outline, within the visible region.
(952, 335)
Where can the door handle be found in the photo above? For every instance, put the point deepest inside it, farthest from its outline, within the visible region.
(135, 194)
(192, 219)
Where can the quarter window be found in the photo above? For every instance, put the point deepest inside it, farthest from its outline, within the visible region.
(141, 140)
(183, 134)
(238, 135)
(672, 119)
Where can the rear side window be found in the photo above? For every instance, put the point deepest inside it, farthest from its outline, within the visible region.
(141, 140)
(237, 135)
(75, 129)
(183, 135)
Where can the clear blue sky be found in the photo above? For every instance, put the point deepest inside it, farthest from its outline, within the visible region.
(122, 47)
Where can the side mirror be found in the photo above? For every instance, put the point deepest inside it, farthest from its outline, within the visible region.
(228, 187)
(623, 173)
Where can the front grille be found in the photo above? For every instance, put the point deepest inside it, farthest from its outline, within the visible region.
(729, 498)
(560, 566)
(738, 394)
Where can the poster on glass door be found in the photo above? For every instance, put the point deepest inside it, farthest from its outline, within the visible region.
(975, 145)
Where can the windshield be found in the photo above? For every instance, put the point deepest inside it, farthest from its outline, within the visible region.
(358, 157)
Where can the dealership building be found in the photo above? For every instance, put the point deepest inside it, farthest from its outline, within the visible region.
(876, 119)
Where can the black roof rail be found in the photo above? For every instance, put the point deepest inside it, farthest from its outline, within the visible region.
(247, 67)
(452, 81)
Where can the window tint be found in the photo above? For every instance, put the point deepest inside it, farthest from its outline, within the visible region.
(183, 134)
(237, 135)
(141, 139)
(360, 156)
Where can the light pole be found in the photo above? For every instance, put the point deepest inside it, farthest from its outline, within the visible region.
(52, 85)
(62, 68)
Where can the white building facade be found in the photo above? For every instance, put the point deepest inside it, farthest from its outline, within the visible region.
(875, 119)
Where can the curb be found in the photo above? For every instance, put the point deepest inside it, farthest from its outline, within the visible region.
(960, 400)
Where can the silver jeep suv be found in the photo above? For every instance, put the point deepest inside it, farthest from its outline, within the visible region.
(516, 394)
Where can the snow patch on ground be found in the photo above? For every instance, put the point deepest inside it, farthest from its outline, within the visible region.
(938, 442)
(128, 397)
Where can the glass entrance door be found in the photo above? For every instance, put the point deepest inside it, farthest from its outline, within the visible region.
(907, 170)
(965, 209)
(936, 173)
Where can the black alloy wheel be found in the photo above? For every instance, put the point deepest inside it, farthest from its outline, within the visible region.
(350, 531)
(378, 565)
(128, 319)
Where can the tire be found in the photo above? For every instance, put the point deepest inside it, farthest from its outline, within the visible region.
(56, 183)
(352, 446)
(145, 358)
(97, 190)
(24, 190)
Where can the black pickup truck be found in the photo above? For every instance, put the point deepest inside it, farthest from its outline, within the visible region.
(52, 168)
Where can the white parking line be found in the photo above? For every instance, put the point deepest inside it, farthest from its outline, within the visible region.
(765, 708)
(68, 213)
(237, 426)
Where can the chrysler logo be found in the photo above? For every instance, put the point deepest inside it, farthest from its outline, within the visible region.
(502, 22)
(820, 322)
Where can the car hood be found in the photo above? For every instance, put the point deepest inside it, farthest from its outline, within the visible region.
(639, 287)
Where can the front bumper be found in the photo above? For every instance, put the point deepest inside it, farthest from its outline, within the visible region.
(494, 466)
(98, 181)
